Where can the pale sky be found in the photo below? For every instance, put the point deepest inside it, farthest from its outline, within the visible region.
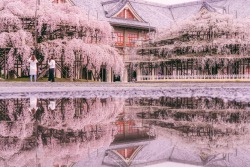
(170, 2)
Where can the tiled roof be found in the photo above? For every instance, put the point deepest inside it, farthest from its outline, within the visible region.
(93, 7)
(116, 8)
(239, 8)
(110, 6)
(158, 15)
(130, 23)
(155, 15)
(208, 7)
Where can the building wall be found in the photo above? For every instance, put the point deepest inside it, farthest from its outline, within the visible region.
(127, 38)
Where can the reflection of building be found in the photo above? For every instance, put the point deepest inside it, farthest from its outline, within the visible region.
(130, 130)
(132, 135)
(161, 151)
(194, 131)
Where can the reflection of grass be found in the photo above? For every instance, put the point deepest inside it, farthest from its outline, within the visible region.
(27, 79)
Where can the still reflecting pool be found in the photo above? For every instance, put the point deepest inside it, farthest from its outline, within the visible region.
(195, 131)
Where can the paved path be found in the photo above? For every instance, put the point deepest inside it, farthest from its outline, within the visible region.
(119, 84)
(238, 91)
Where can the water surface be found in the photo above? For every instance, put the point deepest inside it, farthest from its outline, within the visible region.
(62, 132)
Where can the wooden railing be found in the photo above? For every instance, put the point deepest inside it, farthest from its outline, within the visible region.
(43, 72)
(190, 77)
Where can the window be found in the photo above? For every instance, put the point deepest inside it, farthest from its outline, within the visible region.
(132, 39)
(119, 38)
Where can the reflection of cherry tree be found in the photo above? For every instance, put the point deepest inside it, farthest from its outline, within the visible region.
(93, 111)
(11, 109)
(33, 150)
(203, 144)
(61, 136)
(67, 153)
(19, 121)
(9, 146)
(217, 126)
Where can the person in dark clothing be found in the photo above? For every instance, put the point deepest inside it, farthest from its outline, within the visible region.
(52, 64)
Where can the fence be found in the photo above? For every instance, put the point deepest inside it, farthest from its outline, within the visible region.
(190, 77)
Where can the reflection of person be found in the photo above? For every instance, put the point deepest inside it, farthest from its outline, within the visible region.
(52, 105)
(52, 64)
(33, 67)
(33, 105)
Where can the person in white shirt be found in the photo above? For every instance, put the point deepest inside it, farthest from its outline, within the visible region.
(52, 64)
(33, 67)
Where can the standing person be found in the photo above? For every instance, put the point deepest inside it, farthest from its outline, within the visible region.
(33, 67)
(52, 64)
